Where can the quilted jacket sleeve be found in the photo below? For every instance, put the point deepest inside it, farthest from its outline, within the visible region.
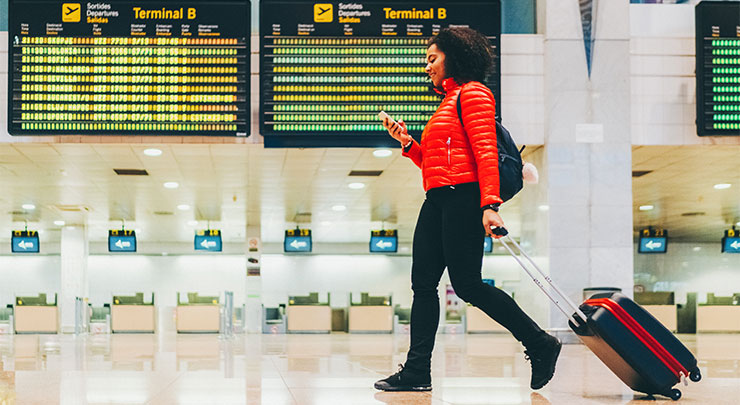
(478, 114)
(414, 153)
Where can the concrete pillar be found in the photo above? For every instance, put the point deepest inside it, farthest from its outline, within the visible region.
(74, 253)
(253, 300)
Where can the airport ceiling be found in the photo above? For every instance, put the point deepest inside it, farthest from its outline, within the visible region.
(227, 186)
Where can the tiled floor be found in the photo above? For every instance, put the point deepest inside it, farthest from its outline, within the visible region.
(321, 369)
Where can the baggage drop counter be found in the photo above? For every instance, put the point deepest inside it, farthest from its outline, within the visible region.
(662, 306)
(130, 314)
(719, 314)
(198, 314)
(371, 314)
(35, 315)
(307, 315)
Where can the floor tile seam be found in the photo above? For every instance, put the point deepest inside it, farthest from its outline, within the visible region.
(282, 378)
(165, 388)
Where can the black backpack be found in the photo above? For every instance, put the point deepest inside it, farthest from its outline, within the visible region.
(510, 158)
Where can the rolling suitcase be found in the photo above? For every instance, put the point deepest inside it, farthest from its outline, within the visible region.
(632, 343)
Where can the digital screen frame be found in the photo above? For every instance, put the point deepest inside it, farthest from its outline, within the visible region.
(327, 69)
(123, 67)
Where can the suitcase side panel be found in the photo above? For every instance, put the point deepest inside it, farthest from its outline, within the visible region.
(667, 339)
(654, 376)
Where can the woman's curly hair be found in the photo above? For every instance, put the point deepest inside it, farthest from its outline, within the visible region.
(468, 54)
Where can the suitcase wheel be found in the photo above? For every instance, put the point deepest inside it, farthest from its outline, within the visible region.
(695, 375)
(674, 394)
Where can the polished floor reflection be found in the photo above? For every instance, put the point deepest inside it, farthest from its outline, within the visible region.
(321, 369)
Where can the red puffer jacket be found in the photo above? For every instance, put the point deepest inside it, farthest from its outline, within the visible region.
(449, 155)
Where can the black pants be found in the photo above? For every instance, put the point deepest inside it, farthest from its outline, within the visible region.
(449, 233)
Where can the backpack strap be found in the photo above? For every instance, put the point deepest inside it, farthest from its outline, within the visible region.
(459, 115)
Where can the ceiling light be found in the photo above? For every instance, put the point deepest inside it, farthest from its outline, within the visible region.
(41, 231)
(153, 152)
(339, 208)
(381, 153)
(28, 206)
(646, 207)
(544, 207)
(137, 230)
(171, 184)
(183, 207)
(697, 248)
(59, 223)
(356, 186)
(738, 224)
(192, 223)
(722, 186)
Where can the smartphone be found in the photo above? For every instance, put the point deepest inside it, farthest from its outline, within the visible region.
(383, 115)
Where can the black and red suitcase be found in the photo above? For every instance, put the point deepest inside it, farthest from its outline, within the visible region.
(632, 343)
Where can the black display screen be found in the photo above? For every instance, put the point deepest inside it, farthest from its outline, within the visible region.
(327, 69)
(129, 68)
(718, 68)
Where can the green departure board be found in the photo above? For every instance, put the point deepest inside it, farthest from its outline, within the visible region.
(327, 68)
(718, 68)
(129, 68)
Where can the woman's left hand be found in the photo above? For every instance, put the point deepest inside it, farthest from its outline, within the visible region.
(491, 218)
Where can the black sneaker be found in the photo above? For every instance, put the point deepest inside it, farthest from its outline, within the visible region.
(405, 381)
(543, 358)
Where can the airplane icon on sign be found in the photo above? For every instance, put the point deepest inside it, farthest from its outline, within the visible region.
(323, 10)
(71, 10)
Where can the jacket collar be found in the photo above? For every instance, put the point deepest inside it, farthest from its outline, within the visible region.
(448, 85)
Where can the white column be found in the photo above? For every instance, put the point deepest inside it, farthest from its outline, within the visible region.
(253, 300)
(74, 253)
(587, 157)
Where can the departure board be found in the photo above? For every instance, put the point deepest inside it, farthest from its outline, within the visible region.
(129, 68)
(718, 68)
(328, 68)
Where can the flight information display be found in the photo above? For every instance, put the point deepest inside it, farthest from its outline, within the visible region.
(718, 68)
(128, 68)
(328, 68)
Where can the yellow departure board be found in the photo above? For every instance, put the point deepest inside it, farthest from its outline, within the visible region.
(129, 68)
(328, 68)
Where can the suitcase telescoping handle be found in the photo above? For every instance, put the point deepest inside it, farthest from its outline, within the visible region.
(571, 316)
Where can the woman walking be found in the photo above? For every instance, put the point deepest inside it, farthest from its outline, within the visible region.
(459, 164)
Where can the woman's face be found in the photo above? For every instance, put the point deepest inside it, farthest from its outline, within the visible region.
(435, 65)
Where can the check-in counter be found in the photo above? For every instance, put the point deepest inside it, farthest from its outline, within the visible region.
(35, 315)
(200, 314)
(476, 321)
(307, 315)
(719, 314)
(660, 305)
(371, 314)
(132, 314)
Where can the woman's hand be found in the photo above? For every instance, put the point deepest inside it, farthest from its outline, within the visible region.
(491, 218)
(398, 132)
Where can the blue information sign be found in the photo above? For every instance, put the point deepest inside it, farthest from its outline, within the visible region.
(25, 244)
(488, 245)
(653, 244)
(731, 245)
(122, 243)
(297, 244)
(208, 243)
(383, 244)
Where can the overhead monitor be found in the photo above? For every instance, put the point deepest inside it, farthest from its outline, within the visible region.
(121, 241)
(297, 241)
(123, 67)
(208, 240)
(327, 68)
(488, 244)
(653, 240)
(718, 68)
(24, 242)
(731, 241)
(384, 241)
